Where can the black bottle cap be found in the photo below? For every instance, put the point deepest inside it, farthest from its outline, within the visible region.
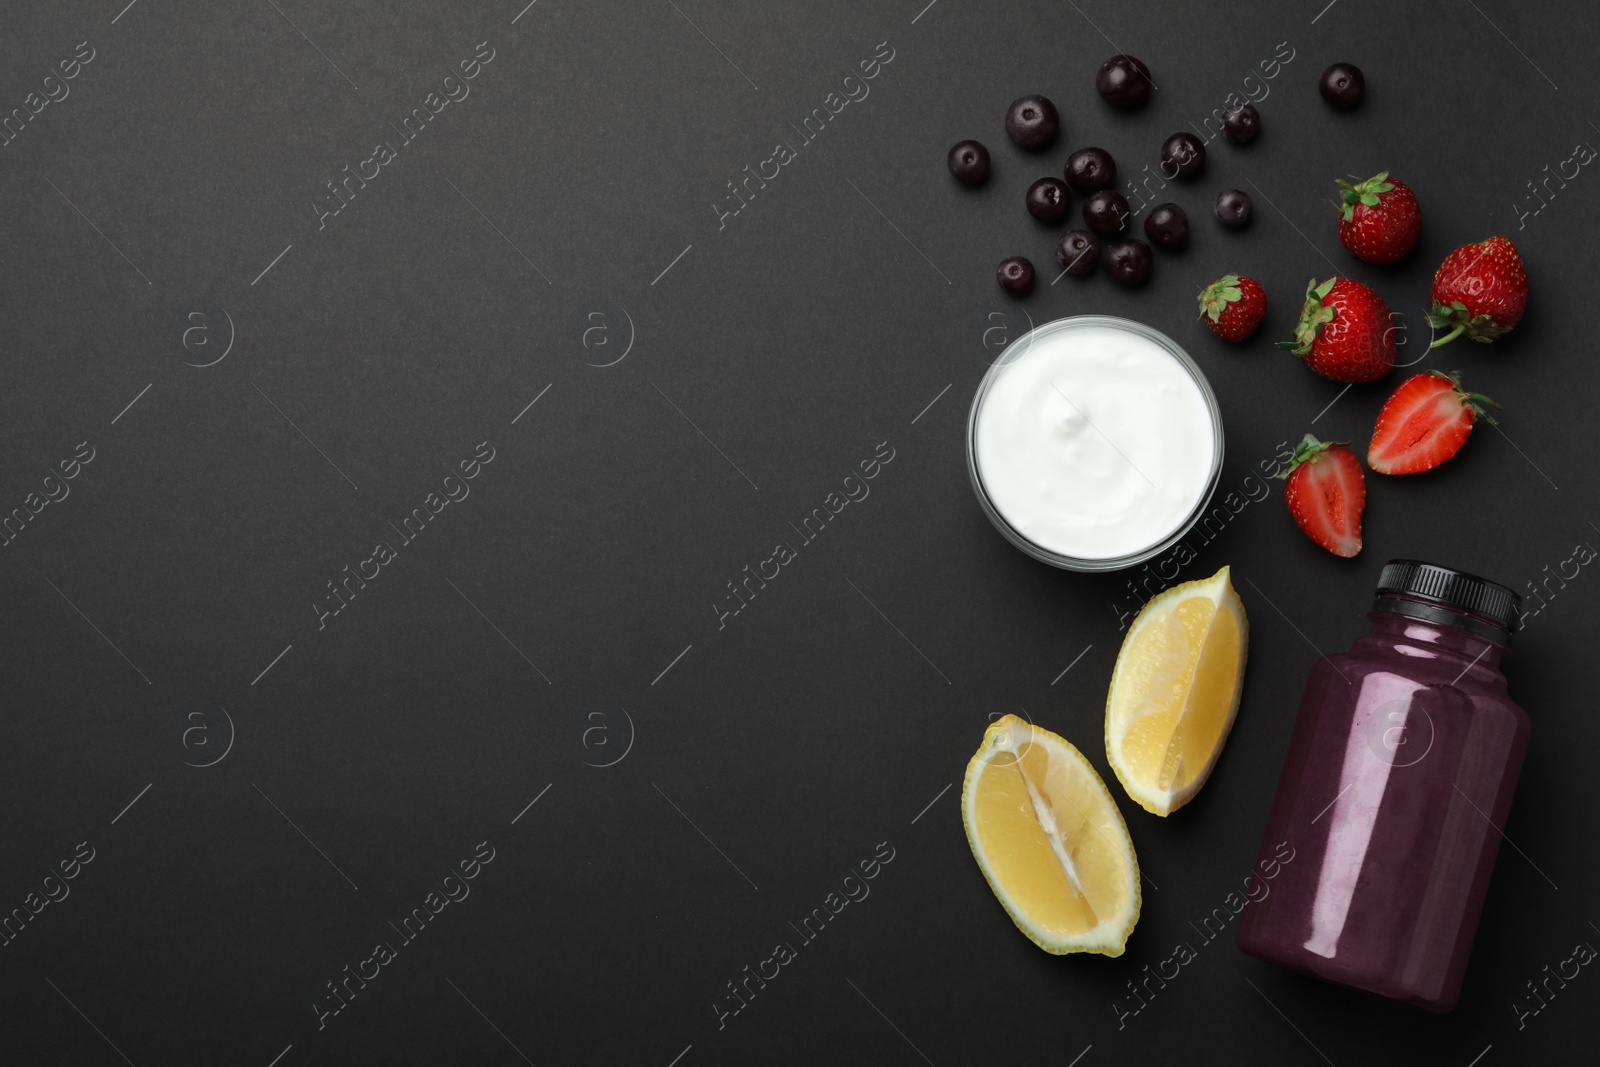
(1451, 588)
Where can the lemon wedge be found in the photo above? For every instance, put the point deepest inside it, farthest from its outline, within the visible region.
(1175, 691)
(1048, 836)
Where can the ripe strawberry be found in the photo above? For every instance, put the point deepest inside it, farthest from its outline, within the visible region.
(1233, 306)
(1480, 290)
(1344, 332)
(1424, 423)
(1325, 492)
(1379, 220)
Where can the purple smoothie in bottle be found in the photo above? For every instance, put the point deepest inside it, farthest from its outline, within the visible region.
(1402, 766)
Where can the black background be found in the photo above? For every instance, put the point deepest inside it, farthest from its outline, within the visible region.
(820, 321)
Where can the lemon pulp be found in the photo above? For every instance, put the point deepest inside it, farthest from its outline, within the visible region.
(1047, 835)
(1175, 691)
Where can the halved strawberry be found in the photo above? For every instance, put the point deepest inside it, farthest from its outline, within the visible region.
(1325, 492)
(1424, 423)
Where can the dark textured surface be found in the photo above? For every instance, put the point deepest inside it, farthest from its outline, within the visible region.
(493, 657)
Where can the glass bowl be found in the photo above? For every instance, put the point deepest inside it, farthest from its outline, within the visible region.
(1019, 348)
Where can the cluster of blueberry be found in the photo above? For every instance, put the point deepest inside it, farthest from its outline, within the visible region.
(1033, 123)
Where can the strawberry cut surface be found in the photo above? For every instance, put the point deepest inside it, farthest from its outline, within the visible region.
(1326, 493)
(1424, 423)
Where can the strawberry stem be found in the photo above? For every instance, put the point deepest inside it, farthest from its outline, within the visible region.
(1451, 336)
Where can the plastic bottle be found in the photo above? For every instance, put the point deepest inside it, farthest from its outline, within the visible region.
(1399, 775)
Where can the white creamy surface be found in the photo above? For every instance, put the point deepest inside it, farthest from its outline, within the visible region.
(1095, 442)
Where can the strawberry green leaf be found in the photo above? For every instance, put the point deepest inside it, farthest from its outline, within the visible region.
(1313, 316)
(1365, 192)
(1307, 450)
(1216, 297)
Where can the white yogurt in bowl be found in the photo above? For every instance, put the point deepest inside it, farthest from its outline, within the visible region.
(1094, 443)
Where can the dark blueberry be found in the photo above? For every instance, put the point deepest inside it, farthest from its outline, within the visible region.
(1129, 262)
(1124, 81)
(1016, 275)
(1343, 85)
(1033, 122)
(1078, 252)
(1048, 200)
(1167, 226)
(1090, 169)
(1241, 124)
(1233, 208)
(1106, 211)
(969, 162)
(1183, 155)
